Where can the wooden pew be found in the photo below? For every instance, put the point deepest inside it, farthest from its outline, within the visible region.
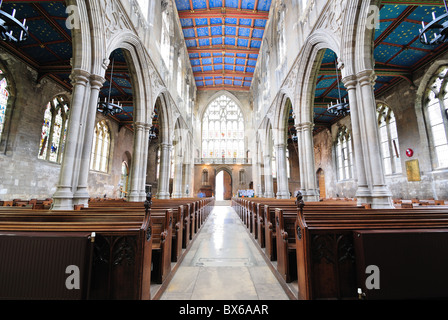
(161, 245)
(118, 265)
(334, 248)
(285, 222)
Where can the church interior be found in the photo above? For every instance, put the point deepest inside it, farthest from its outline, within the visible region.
(305, 141)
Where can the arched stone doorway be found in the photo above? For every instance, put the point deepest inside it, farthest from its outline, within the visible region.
(223, 185)
(321, 183)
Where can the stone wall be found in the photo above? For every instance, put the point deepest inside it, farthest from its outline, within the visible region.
(403, 99)
(23, 175)
(213, 170)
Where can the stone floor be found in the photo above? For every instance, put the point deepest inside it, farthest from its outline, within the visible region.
(223, 263)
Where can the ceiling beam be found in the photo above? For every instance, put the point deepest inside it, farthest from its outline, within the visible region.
(223, 13)
(223, 50)
(226, 73)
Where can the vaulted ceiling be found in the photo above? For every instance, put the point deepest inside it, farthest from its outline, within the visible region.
(398, 53)
(223, 39)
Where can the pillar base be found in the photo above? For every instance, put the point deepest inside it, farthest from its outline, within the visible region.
(269, 195)
(163, 195)
(177, 195)
(81, 197)
(134, 196)
(379, 198)
(283, 195)
(310, 196)
(63, 199)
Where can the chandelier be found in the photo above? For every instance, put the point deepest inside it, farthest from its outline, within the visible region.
(341, 108)
(435, 32)
(108, 107)
(152, 133)
(9, 21)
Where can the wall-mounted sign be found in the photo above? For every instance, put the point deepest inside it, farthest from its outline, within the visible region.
(413, 170)
(409, 152)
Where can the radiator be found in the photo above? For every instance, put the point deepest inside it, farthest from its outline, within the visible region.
(33, 266)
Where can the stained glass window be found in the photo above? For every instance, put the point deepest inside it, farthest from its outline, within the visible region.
(388, 139)
(100, 149)
(437, 117)
(54, 130)
(223, 130)
(4, 95)
(344, 154)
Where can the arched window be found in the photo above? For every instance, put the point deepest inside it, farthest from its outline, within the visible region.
(100, 149)
(165, 37)
(158, 164)
(204, 178)
(4, 95)
(274, 162)
(54, 130)
(242, 176)
(388, 139)
(124, 179)
(344, 154)
(223, 130)
(436, 113)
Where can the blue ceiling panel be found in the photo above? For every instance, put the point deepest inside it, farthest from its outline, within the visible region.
(199, 4)
(202, 32)
(230, 41)
(384, 52)
(186, 23)
(228, 31)
(216, 41)
(244, 32)
(410, 58)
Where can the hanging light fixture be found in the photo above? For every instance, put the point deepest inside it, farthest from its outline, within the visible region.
(152, 133)
(435, 32)
(341, 108)
(9, 21)
(108, 107)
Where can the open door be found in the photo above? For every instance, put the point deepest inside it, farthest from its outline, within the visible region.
(227, 186)
(321, 182)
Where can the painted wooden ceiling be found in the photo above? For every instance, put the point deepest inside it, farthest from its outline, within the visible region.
(223, 38)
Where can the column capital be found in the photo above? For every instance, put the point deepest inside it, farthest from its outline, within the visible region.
(96, 81)
(305, 126)
(139, 125)
(350, 82)
(366, 77)
(79, 77)
(166, 145)
(280, 146)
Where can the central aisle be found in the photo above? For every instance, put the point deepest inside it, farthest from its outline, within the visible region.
(223, 263)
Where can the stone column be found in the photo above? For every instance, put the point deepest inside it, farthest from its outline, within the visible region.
(82, 195)
(186, 186)
(381, 196)
(259, 172)
(63, 197)
(300, 157)
(309, 179)
(178, 177)
(363, 192)
(164, 171)
(282, 173)
(135, 177)
(268, 179)
(144, 161)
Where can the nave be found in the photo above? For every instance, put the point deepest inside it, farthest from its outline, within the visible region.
(223, 263)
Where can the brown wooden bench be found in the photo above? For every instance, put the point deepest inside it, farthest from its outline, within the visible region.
(334, 248)
(119, 256)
